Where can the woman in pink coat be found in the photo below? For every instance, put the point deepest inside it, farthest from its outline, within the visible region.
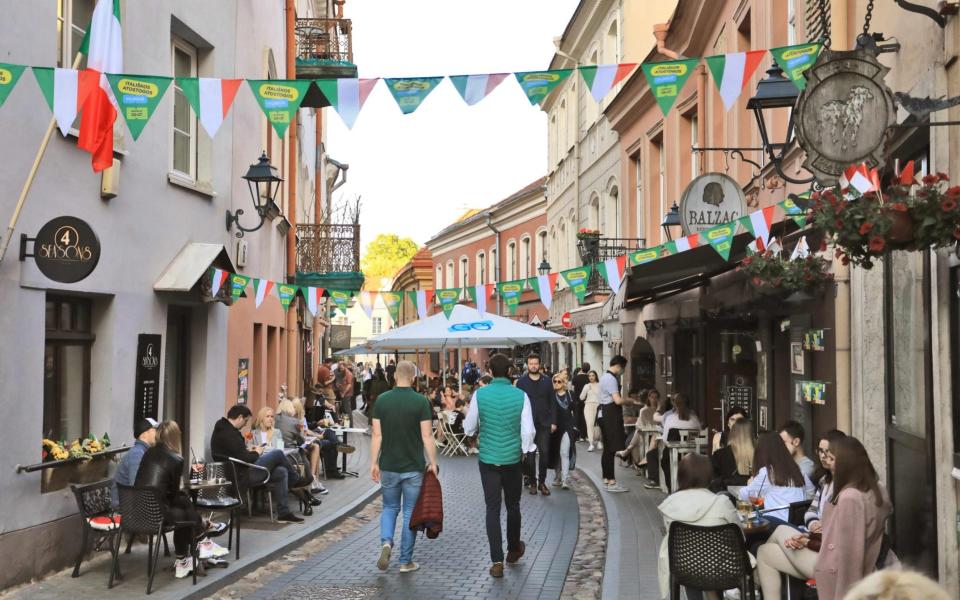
(853, 522)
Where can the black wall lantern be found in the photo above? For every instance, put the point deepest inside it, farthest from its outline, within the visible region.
(773, 93)
(544, 268)
(671, 220)
(264, 182)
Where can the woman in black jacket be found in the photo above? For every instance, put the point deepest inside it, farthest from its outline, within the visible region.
(563, 440)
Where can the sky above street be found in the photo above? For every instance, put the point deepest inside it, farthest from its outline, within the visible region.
(417, 173)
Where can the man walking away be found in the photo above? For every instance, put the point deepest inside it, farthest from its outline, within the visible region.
(540, 392)
(580, 381)
(504, 418)
(611, 421)
(401, 433)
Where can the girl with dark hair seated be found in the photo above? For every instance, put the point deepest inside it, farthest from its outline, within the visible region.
(777, 479)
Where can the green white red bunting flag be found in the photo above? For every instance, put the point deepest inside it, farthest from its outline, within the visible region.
(279, 99)
(720, 238)
(612, 270)
(287, 293)
(9, 75)
(410, 92)
(138, 96)
(367, 300)
(238, 285)
(261, 288)
(448, 299)
(423, 300)
(210, 99)
(544, 285)
(758, 223)
(341, 299)
(511, 291)
(683, 244)
(479, 294)
(732, 73)
(601, 78)
(219, 277)
(65, 91)
(474, 88)
(795, 60)
(793, 211)
(314, 297)
(666, 79)
(577, 280)
(537, 85)
(646, 255)
(347, 96)
(392, 301)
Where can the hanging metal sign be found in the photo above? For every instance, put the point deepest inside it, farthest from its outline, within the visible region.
(66, 249)
(711, 200)
(843, 113)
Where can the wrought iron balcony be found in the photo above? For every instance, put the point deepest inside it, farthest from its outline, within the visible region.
(325, 49)
(599, 249)
(328, 248)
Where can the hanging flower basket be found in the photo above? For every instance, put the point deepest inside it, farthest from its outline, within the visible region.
(588, 245)
(901, 217)
(771, 274)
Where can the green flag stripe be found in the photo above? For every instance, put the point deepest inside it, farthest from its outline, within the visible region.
(716, 64)
(9, 75)
(44, 77)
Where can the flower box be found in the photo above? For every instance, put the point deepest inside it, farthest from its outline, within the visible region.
(87, 470)
(771, 274)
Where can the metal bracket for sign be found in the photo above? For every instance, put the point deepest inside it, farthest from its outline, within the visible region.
(936, 16)
(24, 240)
(736, 153)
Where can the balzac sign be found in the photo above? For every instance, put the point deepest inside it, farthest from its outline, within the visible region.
(66, 249)
(710, 200)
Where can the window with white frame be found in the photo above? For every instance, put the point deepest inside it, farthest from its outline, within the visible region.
(183, 159)
(791, 22)
(511, 261)
(451, 278)
(541, 245)
(73, 19)
(493, 275)
(525, 257)
(612, 213)
(638, 164)
(376, 326)
(439, 282)
(480, 276)
(694, 143)
(611, 50)
(464, 272)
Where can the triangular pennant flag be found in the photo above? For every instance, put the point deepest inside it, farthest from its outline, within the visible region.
(774, 247)
(612, 271)
(801, 250)
(347, 96)
(448, 299)
(474, 88)
(537, 85)
(210, 98)
(65, 91)
(287, 293)
(666, 79)
(756, 246)
(860, 178)
(392, 301)
(479, 294)
(262, 288)
(721, 239)
(758, 223)
(732, 73)
(601, 78)
(138, 96)
(423, 301)
(544, 285)
(646, 255)
(577, 279)
(219, 278)
(793, 211)
(279, 99)
(313, 296)
(904, 177)
(341, 299)
(410, 92)
(511, 291)
(795, 60)
(238, 285)
(367, 300)
(9, 75)
(683, 244)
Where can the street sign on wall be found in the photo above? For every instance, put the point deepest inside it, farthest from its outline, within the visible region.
(711, 200)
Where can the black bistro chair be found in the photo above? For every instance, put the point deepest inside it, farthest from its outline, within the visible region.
(709, 558)
(226, 498)
(99, 521)
(141, 512)
(241, 472)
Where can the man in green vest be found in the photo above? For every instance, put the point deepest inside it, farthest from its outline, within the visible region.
(504, 419)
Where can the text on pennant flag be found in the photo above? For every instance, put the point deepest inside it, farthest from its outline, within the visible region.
(410, 92)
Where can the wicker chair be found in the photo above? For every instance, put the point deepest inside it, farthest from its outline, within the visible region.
(141, 511)
(709, 558)
(98, 520)
(224, 498)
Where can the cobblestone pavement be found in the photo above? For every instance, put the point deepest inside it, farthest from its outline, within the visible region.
(454, 566)
(586, 569)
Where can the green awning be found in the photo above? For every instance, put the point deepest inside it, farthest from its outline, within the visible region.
(339, 280)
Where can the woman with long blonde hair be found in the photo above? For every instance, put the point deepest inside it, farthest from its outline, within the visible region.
(733, 463)
(265, 431)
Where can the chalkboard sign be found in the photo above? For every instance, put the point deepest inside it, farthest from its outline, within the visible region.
(147, 389)
(740, 396)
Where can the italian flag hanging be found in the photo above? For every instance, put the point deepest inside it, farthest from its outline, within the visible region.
(474, 88)
(367, 299)
(479, 294)
(758, 223)
(423, 300)
(732, 73)
(262, 288)
(601, 78)
(219, 278)
(392, 301)
(103, 46)
(313, 296)
(448, 299)
(238, 285)
(683, 244)
(544, 285)
(612, 270)
(66, 91)
(210, 99)
(347, 96)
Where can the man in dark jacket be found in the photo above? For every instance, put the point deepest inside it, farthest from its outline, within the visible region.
(227, 442)
(540, 391)
(580, 381)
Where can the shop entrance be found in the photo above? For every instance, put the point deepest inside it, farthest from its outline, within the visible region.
(176, 374)
(643, 366)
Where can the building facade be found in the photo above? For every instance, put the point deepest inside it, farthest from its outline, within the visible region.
(417, 274)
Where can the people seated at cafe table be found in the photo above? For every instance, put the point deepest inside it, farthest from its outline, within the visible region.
(227, 442)
(680, 418)
(145, 435)
(777, 479)
(720, 437)
(162, 469)
(296, 433)
(792, 434)
(732, 462)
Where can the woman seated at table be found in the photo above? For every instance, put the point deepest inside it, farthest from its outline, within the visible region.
(732, 463)
(720, 438)
(776, 479)
(848, 547)
(680, 418)
(633, 453)
(162, 469)
(694, 504)
(265, 432)
(323, 444)
(813, 518)
(292, 426)
(664, 407)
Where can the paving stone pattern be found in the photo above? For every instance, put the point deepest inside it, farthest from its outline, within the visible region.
(453, 566)
(586, 569)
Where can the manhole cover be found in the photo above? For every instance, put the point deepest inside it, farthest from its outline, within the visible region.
(325, 592)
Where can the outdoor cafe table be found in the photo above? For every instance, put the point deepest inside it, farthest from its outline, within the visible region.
(343, 431)
(676, 449)
(194, 487)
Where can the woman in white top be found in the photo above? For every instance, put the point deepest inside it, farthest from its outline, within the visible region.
(265, 431)
(777, 479)
(590, 395)
(680, 418)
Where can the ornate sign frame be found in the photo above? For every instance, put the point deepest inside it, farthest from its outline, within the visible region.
(710, 200)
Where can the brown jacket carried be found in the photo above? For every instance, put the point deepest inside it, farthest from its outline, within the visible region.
(428, 512)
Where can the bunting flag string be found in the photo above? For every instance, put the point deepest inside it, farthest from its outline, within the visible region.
(577, 280)
(286, 292)
(238, 285)
(219, 278)
(666, 79)
(537, 85)
(601, 78)
(367, 300)
(410, 92)
(138, 97)
(544, 285)
(262, 289)
(341, 299)
(423, 300)
(210, 99)
(511, 291)
(795, 60)
(732, 73)
(279, 99)
(65, 91)
(312, 295)
(392, 301)
(612, 271)
(479, 294)
(347, 96)
(448, 299)
(472, 88)
(758, 223)
(720, 239)
(9, 76)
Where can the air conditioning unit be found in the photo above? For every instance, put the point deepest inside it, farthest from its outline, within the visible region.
(110, 181)
(242, 248)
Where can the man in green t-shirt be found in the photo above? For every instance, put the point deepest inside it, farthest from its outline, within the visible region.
(401, 433)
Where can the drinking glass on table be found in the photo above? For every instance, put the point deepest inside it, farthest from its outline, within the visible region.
(757, 502)
(744, 508)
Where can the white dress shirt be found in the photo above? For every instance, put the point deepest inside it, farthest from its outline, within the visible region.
(527, 431)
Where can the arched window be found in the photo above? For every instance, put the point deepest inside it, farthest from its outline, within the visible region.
(562, 239)
(526, 257)
(493, 274)
(464, 272)
(611, 46)
(562, 130)
(511, 261)
(594, 222)
(480, 275)
(439, 282)
(451, 277)
(612, 212)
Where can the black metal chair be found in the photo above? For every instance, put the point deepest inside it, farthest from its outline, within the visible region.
(797, 511)
(709, 558)
(142, 512)
(99, 522)
(223, 498)
(242, 471)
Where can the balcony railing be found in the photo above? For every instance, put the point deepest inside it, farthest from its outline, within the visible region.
(328, 248)
(603, 248)
(325, 49)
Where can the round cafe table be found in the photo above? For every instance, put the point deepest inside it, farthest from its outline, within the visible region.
(194, 487)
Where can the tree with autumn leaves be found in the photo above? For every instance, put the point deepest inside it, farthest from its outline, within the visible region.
(384, 256)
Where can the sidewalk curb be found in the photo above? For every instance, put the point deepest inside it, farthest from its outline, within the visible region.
(203, 590)
(611, 560)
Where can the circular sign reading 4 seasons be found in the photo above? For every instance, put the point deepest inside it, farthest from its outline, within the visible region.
(711, 200)
(66, 250)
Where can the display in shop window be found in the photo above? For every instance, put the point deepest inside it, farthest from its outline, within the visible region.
(796, 358)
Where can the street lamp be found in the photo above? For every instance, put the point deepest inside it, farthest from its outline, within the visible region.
(544, 268)
(670, 220)
(775, 92)
(260, 177)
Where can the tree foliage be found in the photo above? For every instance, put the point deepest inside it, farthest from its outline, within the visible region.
(384, 256)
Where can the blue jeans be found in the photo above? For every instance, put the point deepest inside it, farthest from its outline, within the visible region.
(276, 463)
(395, 486)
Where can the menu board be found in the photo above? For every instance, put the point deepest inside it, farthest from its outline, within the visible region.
(243, 380)
(147, 389)
(740, 396)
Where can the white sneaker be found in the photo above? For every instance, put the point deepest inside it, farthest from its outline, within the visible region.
(182, 567)
(409, 567)
(616, 488)
(599, 445)
(590, 448)
(210, 549)
(731, 595)
(384, 561)
(565, 485)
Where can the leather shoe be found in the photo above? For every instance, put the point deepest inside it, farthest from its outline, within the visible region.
(514, 555)
(337, 475)
(496, 570)
(544, 490)
(307, 510)
(314, 501)
(533, 489)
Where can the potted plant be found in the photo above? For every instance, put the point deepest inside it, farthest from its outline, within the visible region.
(903, 216)
(588, 244)
(770, 273)
(84, 458)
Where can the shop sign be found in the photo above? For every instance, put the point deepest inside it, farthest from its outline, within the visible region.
(711, 200)
(339, 337)
(66, 249)
(843, 113)
(147, 388)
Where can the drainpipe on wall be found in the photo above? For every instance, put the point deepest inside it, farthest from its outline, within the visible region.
(293, 336)
(319, 183)
(660, 31)
(496, 265)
